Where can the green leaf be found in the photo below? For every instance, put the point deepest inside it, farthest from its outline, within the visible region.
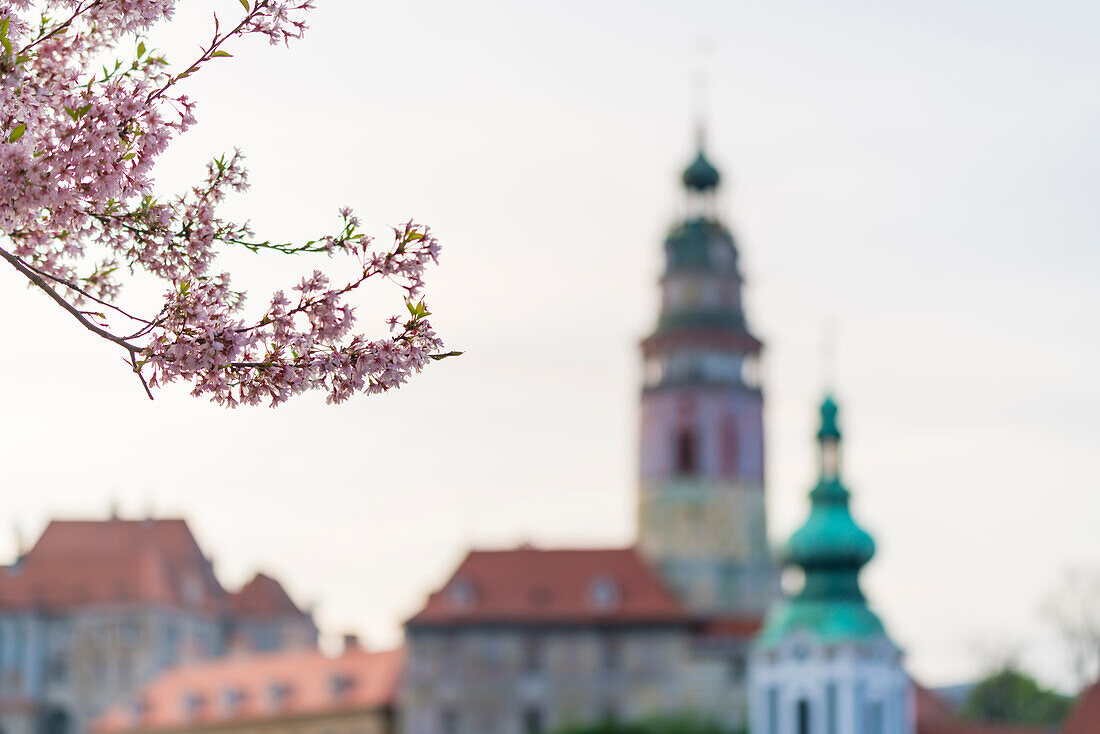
(245, 4)
(141, 49)
(17, 132)
(220, 53)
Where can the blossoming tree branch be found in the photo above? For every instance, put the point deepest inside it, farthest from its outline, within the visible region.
(78, 210)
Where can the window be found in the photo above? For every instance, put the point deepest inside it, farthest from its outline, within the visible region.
(610, 651)
(731, 448)
(451, 654)
(448, 721)
(532, 720)
(139, 709)
(540, 596)
(57, 670)
(872, 718)
(461, 594)
(277, 695)
(686, 452)
(603, 593)
(193, 703)
(232, 698)
(265, 639)
(830, 709)
(773, 710)
(340, 683)
(129, 631)
(56, 722)
(125, 669)
(737, 668)
(533, 651)
(170, 643)
(803, 717)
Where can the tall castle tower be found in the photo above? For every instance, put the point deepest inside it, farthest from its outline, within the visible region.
(701, 508)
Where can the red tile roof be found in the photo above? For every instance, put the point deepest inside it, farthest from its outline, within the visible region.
(239, 689)
(81, 562)
(78, 562)
(535, 586)
(1085, 716)
(935, 716)
(722, 628)
(263, 597)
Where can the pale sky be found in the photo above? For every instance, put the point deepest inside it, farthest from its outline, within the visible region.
(923, 175)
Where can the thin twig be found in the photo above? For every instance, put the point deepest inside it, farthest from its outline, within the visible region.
(81, 291)
(39, 281)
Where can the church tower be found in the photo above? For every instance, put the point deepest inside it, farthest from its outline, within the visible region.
(823, 663)
(701, 505)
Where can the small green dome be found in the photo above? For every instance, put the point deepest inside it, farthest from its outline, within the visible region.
(829, 426)
(701, 175)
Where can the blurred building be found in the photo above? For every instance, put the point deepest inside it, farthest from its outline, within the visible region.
(96, 608)
(823, 662)
(1084, 718)
(528, 640)
(298, 692)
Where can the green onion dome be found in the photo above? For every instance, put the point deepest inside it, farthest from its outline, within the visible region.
(701, 175)
(830, 538)
(830, 548)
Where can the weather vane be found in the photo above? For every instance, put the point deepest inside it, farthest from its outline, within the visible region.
(828, 354)
(704, 49)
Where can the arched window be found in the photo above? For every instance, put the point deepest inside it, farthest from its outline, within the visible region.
(56, 722)
(803, 717)
(773, 710)
(731, 448)
(532, 720)
(687, 450)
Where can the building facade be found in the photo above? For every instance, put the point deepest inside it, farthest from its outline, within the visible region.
(526, 640)
(297, 692)
(824, 663)
(701, 511)
(97, 608)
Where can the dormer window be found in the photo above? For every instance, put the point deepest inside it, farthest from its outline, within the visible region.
(232, 698)
(540, 596)
(603, 594)
(340, 683)
(462, 594)
(278, 694)
(193, 703)
(139, 709)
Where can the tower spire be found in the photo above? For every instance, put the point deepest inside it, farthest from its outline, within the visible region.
(701, 178)
(702, 93)
(830, 548)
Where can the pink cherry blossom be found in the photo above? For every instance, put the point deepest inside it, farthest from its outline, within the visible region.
(78, 210)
